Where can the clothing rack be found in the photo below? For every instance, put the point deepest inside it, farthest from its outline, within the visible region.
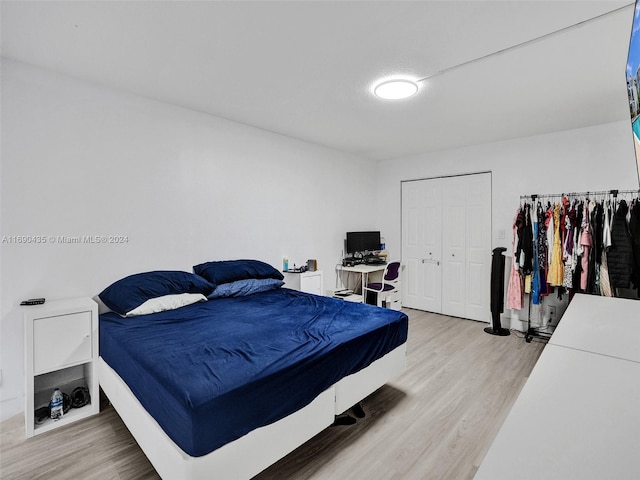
(601, 193)
(533, 332)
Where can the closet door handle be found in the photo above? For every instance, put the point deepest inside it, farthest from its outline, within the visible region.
(430, 260)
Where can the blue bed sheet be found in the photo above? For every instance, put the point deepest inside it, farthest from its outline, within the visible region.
(211, 372)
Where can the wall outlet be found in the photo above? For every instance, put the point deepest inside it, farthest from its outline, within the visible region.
(552, 314)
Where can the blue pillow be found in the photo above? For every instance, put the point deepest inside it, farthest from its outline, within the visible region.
(242, 288)
(132, 291)
(228, 271)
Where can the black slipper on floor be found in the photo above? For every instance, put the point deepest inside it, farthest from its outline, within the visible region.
(344, 420)
(358, 411)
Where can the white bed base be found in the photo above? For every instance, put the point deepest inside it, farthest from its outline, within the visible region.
(252, 453)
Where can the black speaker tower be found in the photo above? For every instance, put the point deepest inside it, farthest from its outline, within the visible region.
(497, 293)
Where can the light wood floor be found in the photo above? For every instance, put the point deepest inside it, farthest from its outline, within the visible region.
(436, 421)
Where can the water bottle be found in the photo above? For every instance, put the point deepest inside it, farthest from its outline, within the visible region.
(56, 405)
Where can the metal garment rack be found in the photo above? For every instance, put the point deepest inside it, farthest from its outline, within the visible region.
(614, 193)
(532, 332)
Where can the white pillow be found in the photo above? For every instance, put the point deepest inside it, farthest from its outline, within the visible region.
(166, 302)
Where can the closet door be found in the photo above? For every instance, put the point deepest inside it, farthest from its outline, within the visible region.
(446, 245)
(422, 244)
(454, 223)
(478, 247)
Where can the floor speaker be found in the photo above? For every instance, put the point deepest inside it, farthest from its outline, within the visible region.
(497, 293)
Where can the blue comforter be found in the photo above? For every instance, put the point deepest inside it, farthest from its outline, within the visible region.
(211, 372)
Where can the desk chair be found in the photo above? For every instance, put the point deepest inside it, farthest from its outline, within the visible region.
(390, 283)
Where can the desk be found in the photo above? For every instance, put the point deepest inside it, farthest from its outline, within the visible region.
(364, 271)
(576, 418)
(578, 415)
(603, 325)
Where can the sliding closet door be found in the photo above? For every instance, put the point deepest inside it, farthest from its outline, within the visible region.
(446, 245)
(421, 245)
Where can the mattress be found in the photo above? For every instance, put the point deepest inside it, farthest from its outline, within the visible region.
(211, 372)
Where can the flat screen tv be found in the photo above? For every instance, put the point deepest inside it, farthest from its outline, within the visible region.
(361, 242)
(633, 82)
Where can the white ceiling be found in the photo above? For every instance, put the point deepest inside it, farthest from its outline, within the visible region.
(305, 68)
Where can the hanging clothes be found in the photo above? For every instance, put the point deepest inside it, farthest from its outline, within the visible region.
(597, 221)
(515, 291)
(592, 278)
(543, 249)
(634, 230)
(526, 241)
(550, 235)
(586, 242)
(542, 237)
(605, 283)
(556, 269)
(620, 255)
(568, 250)
(581, 245)
(535, 275)
(519, 224)
(577, 270)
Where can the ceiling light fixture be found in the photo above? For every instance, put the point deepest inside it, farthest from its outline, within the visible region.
(396, 89)
(403, 88)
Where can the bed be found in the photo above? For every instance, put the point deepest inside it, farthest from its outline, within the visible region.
(242, 373)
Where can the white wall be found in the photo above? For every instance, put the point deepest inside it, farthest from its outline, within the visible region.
(587, 159)
(184, 187)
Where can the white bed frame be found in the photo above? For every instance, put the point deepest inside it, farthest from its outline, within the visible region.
(252, 453)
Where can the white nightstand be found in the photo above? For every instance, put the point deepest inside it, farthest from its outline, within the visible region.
(61, 349)
(309, 282)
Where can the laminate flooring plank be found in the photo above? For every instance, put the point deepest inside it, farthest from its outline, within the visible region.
(436, 421)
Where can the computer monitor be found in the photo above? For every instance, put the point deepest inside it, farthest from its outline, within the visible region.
(360, 242)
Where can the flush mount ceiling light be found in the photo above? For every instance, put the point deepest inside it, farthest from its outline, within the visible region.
(403, 88)
(396, 89)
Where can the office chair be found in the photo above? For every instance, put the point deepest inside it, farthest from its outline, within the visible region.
(390, 283)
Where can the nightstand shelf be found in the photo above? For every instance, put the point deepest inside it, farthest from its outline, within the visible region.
(61, 349)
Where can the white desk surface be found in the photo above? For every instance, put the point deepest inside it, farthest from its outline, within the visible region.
(608, 326)
(577, 417)
(362, 268)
